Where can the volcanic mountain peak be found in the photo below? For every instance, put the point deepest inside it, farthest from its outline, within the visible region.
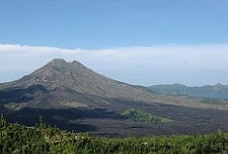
(64, 80)
(55, 73)
(58, 60)
(72, 75)
(59, 66)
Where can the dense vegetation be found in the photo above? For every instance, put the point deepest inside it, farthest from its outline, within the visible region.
(43, 139)
(142, 116)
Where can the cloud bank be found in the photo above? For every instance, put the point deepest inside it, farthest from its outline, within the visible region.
(156, 64)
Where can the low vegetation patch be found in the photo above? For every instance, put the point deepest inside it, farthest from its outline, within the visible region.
(139, 115)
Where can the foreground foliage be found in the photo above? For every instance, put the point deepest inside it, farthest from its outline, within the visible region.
(43, 139)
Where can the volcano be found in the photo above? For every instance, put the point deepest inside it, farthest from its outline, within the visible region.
(74, 97)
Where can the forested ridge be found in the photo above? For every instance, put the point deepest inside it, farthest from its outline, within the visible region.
(43, 139)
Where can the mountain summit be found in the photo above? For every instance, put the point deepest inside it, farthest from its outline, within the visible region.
(62, 78)
(74, 76)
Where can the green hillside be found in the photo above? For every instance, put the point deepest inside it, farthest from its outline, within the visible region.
(19, 139)
(217, 91)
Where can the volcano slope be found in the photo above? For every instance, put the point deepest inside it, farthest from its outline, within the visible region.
(73, 97)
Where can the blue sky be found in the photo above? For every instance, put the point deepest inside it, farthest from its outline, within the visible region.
(96, 24)
(119, 25)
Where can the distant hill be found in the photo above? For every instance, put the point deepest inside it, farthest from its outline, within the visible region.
(217, 91)
(74, 97)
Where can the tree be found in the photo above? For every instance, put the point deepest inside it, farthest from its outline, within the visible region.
(2, 126)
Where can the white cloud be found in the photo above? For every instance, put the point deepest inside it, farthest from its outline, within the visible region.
(130, 64)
